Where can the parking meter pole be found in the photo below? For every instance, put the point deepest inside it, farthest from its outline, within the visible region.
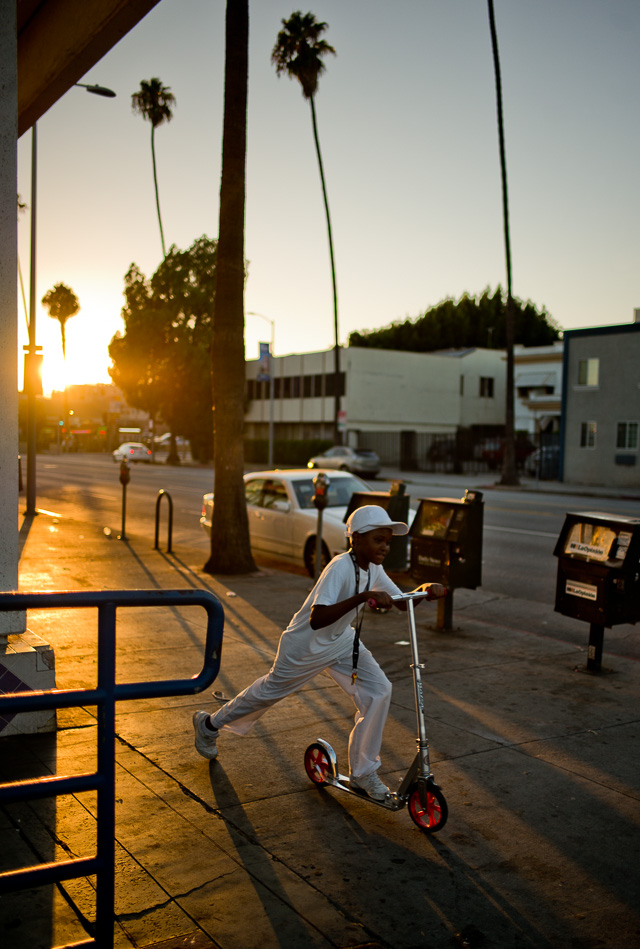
(444, 616)
(318, 547)
(321, 484)
(594, 652)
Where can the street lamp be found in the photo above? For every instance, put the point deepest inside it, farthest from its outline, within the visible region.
(33, 351)
(271, 347)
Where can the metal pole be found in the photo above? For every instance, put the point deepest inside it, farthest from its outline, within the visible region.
(123, 536)
(594, 651)
(105, 882)
(31, 352)
(271, 389)
(318, 565)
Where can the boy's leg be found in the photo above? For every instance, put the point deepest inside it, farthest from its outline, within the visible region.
(240, 714)
(372, 696)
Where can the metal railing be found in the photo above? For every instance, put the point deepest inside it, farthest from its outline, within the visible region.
(104, 697)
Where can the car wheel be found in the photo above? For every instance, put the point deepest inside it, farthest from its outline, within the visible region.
(310, 556)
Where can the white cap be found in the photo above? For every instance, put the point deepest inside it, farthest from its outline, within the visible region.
(371, 516)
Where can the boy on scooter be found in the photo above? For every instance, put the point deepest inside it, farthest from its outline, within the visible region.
(324, 636)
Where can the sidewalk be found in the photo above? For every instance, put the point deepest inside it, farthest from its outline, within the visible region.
(537, 760)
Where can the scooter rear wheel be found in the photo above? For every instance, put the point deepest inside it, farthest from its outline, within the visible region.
(433, 817)
(317, 764)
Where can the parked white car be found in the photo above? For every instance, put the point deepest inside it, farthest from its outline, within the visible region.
(132, 451)
(283, 519)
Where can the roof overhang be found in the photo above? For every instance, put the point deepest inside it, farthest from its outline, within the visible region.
(60, 40)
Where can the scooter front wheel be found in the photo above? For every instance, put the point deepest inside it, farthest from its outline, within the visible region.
(317, 763)
(433, 816)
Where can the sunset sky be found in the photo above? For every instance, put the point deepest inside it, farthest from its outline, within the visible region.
(407, 124)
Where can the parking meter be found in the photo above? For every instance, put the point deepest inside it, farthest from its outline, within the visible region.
(321, 484)
(320, 499)
(125, 474)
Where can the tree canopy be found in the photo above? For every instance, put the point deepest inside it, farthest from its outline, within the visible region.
(469, 321)
(62, 304)
(162, 361)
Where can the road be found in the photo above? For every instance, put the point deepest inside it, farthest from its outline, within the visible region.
(520, 527)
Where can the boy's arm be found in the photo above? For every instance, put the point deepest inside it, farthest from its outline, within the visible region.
(324, 614)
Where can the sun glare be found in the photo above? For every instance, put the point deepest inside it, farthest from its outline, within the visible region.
(87, 340)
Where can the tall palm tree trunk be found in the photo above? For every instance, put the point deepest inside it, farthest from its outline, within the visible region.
(336, 349)
(155, 183)
(509, 472)
(230, 549)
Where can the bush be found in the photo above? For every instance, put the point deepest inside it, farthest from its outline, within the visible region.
(292, 452)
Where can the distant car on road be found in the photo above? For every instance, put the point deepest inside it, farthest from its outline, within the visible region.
(132, 451)
(544, 462)
(356, 460)
(283, 518)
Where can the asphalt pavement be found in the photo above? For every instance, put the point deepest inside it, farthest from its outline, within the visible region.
(537, 760)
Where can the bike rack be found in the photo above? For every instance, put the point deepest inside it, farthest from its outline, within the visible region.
(105, 696)
(162, 493)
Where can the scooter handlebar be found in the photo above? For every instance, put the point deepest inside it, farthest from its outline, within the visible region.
(420, 593)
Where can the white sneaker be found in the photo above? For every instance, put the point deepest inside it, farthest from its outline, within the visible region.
(371, 785)
(206, 740)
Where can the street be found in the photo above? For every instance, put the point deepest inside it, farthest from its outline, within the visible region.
(520, 527)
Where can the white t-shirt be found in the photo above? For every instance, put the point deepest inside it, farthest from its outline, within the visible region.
(302, 645)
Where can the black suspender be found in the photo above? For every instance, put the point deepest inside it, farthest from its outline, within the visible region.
(358, 626)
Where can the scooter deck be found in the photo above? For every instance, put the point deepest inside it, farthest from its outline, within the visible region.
(391, 803)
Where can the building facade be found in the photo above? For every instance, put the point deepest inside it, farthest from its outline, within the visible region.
(395, 403)
(601, 405)
(538, 389)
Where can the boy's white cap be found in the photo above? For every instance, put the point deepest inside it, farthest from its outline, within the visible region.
(371, 516)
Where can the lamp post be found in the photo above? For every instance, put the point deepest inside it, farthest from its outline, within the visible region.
(33, 351)
(271, 387)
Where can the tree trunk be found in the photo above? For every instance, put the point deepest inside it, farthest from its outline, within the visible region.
(155, 184)
(230, 549)
(509, 470)
(336, 350)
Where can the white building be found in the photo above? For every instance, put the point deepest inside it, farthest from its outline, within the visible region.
(538, 388)
(393, 402)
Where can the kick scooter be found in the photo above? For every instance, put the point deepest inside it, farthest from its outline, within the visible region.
(427, 805)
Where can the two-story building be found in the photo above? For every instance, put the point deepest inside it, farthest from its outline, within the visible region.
(601, 405)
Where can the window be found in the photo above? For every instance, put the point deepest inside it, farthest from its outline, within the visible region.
(627, 436)
(588, 434)
(486, 387)
(588, 370)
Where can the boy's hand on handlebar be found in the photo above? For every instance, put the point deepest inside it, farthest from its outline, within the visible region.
(379, 599)
(435, 591)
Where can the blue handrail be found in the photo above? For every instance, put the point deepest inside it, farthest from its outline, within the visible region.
(104, 697)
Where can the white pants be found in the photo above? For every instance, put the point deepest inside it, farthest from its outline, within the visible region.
(371, 695)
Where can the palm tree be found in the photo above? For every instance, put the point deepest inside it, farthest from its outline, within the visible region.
(62, 303)
(230, 549)
(509, 471)
(298, 52)
(153, 101)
